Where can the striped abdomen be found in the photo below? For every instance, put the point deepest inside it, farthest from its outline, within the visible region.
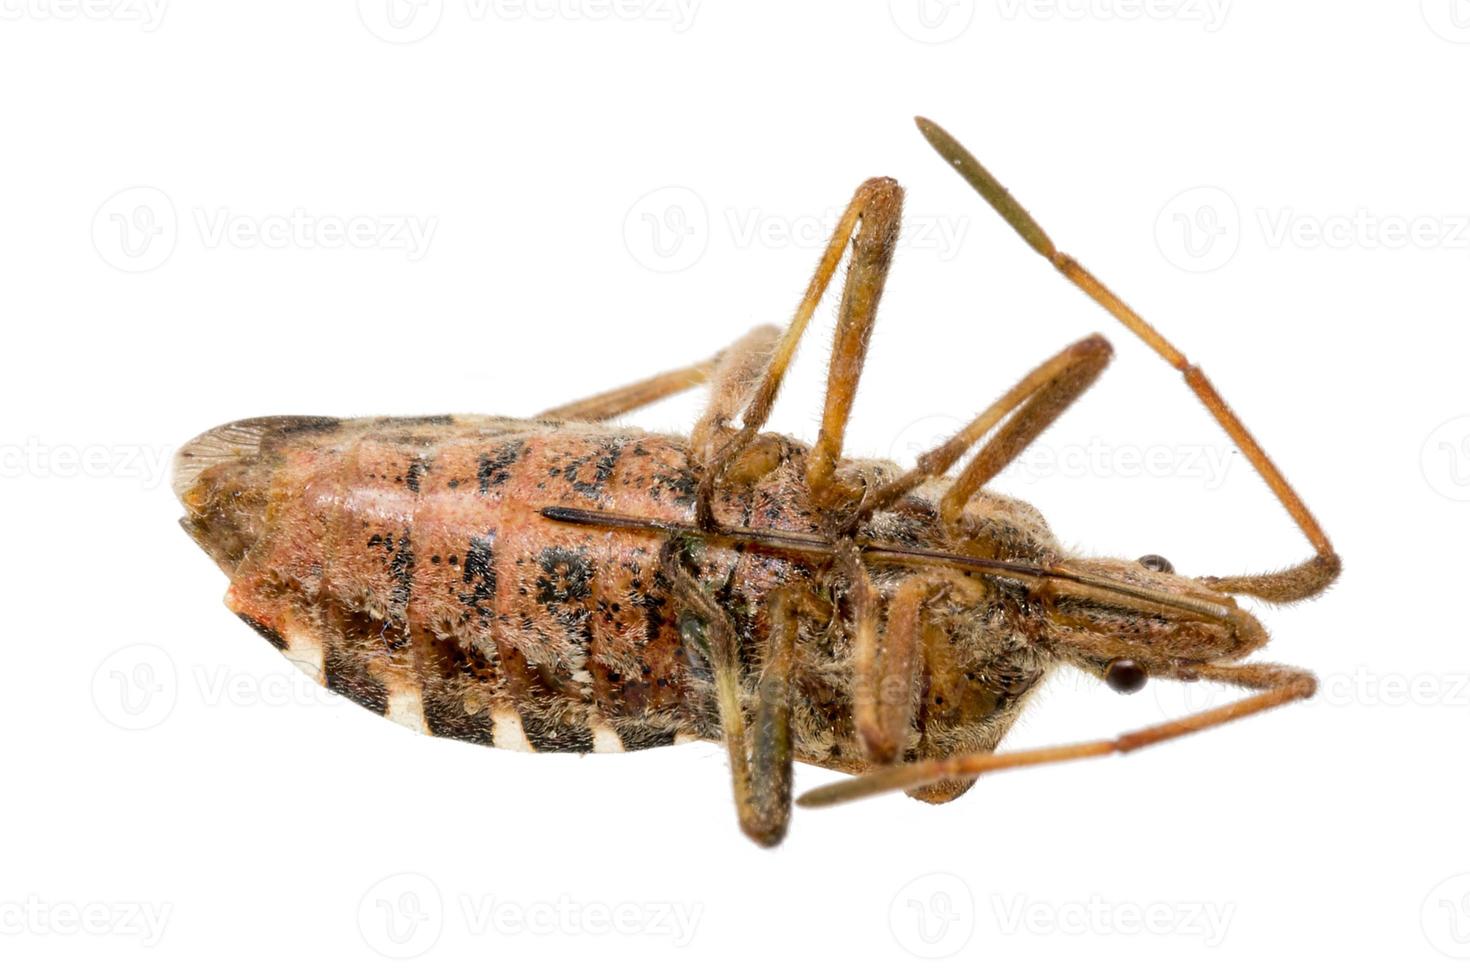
(404, 563)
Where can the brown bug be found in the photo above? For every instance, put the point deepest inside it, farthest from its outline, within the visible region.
(562, 584)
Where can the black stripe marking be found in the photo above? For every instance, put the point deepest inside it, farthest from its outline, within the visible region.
(275, 639)
(445, 715)
(637, 737)
(495, 470)
(347, 676)
(550, 736)
(479, 575)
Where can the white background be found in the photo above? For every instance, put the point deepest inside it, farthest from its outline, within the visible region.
(1245, 173)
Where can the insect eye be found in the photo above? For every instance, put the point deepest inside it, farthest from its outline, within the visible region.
(1157, 563)
(1125, 676)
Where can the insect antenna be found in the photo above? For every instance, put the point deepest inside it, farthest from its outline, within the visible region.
(1061, 580)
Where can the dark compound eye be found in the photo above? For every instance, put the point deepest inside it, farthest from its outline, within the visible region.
(1157, 563)
(1125, 676)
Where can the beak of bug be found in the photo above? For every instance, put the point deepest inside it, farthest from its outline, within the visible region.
(223, 478)
(1126, 621)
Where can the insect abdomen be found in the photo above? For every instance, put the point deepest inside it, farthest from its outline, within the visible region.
(404, 563)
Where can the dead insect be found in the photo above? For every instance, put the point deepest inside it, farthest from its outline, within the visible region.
(560, 584)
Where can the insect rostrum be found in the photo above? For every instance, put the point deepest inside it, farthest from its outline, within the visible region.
(565, 584)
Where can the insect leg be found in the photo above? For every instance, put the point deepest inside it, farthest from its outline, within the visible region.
(1036, 401)
(1276, 684)
(883, 687)
(874, 212)
(761, 778)
(608, 404)
(740, 367)
(1298, 582)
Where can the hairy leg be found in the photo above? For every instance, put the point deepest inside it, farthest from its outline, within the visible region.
(1298, 582)
(1276, 684)
(761, 769)
(874, 214)
(1032, 405)
(619, 401)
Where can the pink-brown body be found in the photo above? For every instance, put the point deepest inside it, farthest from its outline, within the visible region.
(405, 563)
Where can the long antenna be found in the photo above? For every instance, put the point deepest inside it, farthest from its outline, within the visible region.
(812, 544)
